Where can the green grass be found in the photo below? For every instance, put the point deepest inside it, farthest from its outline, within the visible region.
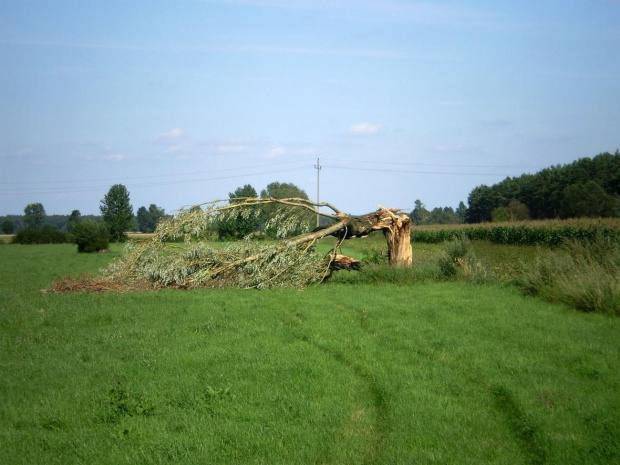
(448, 373)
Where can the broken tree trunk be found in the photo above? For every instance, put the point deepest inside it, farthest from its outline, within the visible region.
(396, 228)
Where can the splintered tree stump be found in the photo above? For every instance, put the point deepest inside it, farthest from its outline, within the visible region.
(398, 237)
(396, 228)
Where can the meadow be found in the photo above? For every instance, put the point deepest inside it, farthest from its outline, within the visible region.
(346, 372)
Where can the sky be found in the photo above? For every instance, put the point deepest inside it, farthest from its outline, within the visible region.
(183, 101)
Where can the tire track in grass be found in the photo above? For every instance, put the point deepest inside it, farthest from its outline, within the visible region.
(521, 426)
(378, 398)
(377, 407)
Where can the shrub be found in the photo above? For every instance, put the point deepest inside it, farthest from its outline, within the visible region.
(376, 255)
(459, 260)
(457, 252)
(91, 236)
(582, 274)
(40, 236)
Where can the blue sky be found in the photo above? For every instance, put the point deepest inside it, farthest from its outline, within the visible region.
(184, 101)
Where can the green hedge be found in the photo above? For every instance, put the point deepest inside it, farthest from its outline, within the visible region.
(40, 236)
(518, 235)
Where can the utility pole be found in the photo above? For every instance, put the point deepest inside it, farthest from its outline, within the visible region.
(318, 187)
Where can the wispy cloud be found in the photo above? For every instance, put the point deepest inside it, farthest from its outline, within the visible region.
(365, 129)
(232, 148)
(21, 154)
(282, 151)
(170, 137)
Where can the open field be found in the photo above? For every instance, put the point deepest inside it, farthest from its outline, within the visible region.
(449, 373)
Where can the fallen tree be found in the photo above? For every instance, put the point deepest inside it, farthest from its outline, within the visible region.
(290, 262)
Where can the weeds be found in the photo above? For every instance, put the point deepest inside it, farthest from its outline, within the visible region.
(585, 275)
(459, 261)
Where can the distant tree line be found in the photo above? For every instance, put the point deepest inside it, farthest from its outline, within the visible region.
(588, 187)
(438, 215)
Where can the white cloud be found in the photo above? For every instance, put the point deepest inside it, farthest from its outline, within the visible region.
(170, 137)
(365, 129)
(276, 152)
(284, 151)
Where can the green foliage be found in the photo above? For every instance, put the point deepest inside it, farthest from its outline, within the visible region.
(244, 222)
(40, 236)
(457, 252)
(144, 220)
(421, 216)
(117, 212)
(376, 255)
(197, 264)
(551, 235)
(278, 220)
(91, 236)
(585, 275)
(8, 226)
(34, 214)
(588, 200)
(500, 215)
(459, 260)
(74, 217)
(586, 187)
(201, 265)
(147, 220)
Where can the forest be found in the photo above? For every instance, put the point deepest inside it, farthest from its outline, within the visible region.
(588, 187)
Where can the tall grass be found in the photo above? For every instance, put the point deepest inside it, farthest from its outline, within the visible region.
(585, 275)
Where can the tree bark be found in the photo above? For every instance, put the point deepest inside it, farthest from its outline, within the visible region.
(397, 231)
(398, 237)
(396, 228)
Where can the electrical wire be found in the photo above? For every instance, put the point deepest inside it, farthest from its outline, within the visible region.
(416, 172)
(61, 190)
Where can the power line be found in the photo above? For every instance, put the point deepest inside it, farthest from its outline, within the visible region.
(61, 190)
(429, 164)
(415, 172)
(151, 176)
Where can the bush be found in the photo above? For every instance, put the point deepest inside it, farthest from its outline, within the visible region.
(40, 236)
(584, 275)
(459, 261)
(376, 255)
(91, 236)
(458, 252)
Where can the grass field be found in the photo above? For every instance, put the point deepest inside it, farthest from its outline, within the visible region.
(449, 373)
